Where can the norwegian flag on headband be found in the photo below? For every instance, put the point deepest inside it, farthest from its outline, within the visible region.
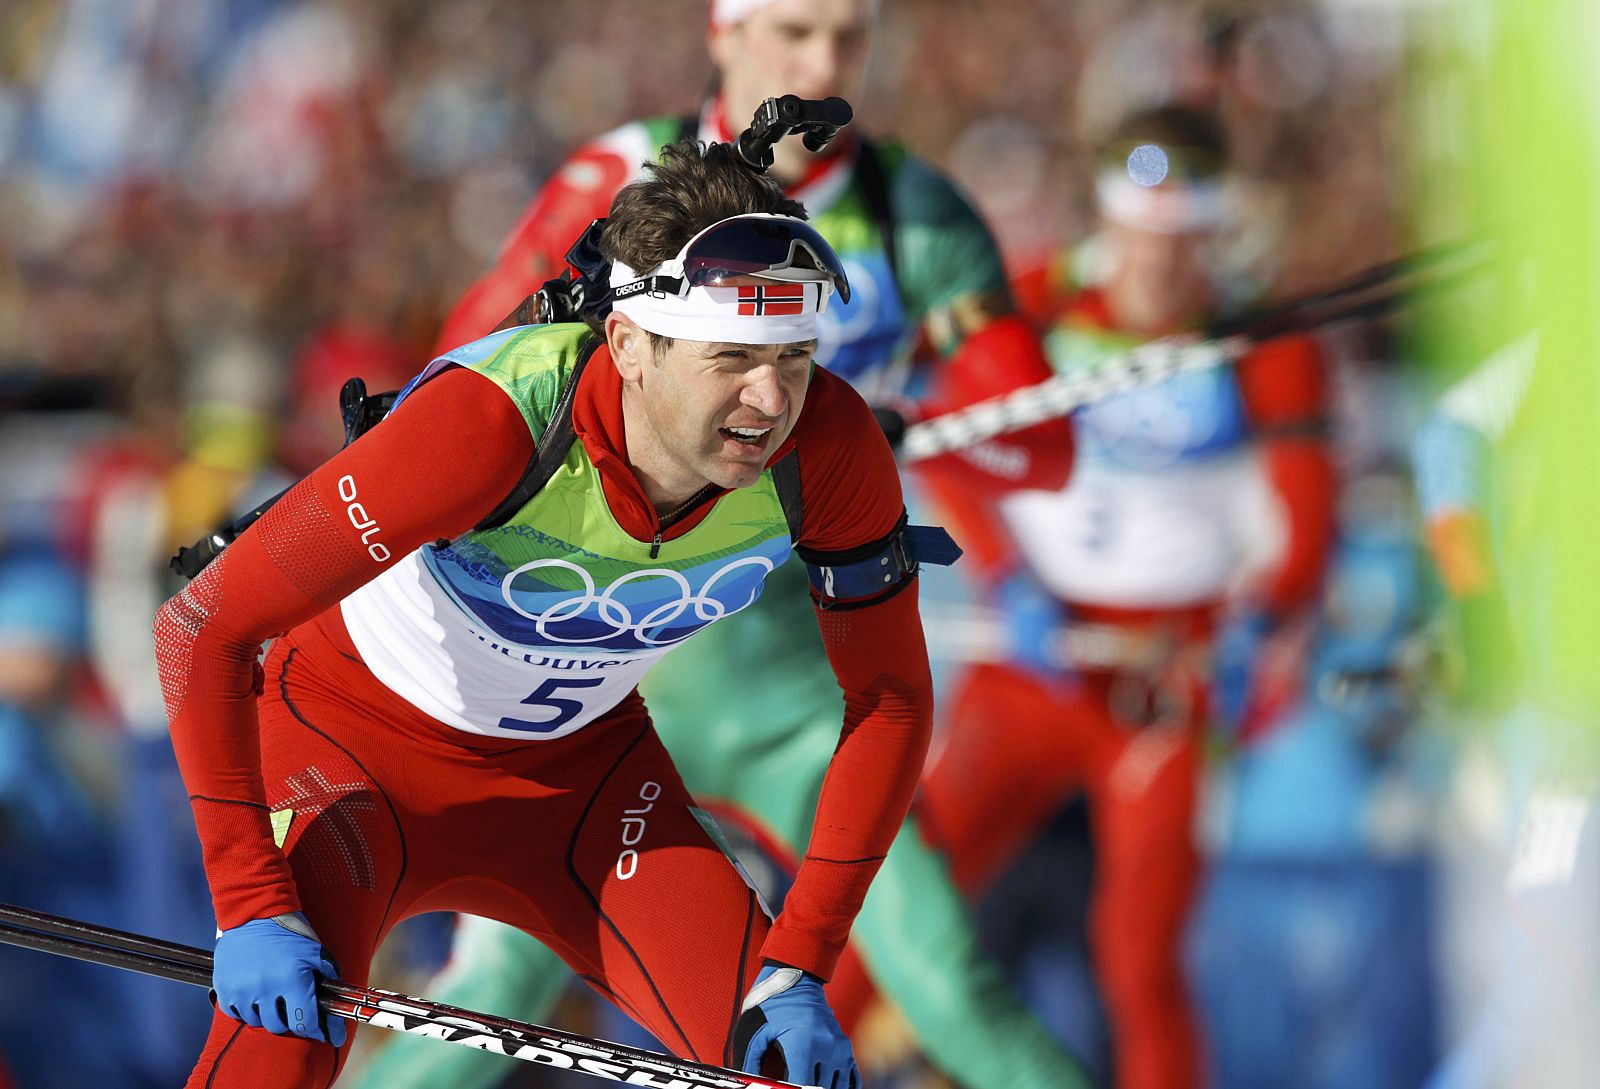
(777, 300)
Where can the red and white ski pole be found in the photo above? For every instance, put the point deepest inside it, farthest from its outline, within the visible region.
(1382, 289)
(383, 1009)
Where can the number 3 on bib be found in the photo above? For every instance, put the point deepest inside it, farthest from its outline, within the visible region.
(544, 696)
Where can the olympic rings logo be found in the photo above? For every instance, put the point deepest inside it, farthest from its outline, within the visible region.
(617, 613)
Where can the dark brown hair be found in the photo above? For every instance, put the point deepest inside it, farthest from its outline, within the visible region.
(691, 186)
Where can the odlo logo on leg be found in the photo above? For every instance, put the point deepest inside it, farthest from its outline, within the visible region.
(359, 518)
(633, 830)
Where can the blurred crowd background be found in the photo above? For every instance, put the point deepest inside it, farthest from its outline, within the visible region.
(212, 212)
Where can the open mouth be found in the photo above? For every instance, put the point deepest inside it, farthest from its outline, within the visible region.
(750, 437)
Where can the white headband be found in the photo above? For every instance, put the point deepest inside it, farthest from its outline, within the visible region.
(771, 312)
(1167, 209)
(728, 12)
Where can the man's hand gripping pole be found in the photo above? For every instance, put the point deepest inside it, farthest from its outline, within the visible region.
(383, 1009)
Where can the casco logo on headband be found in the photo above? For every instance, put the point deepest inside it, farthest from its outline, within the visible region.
(778, 300)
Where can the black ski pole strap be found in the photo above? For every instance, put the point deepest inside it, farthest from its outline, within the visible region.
(361, 411)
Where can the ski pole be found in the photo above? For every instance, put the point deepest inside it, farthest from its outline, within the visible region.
(383, 1009)
(1379, 290)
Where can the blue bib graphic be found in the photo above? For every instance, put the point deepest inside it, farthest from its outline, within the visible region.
(562, 603)
(862, 336)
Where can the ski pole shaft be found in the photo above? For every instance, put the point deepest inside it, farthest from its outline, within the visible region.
(1375, 292)
(81, 949)
(25, 918)
(382, 1009)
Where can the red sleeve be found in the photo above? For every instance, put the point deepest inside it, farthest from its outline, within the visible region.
(1003, 355)
(881, 662)
(852, 497)
(420, 475)
(578, 193)
(1284, 387)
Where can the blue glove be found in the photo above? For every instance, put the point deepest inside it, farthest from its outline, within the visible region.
(265, 974)
(786, 1009)
(1035, 619)
(1234, 652)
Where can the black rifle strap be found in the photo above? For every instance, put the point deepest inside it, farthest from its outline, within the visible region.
(875, 191)
(551, 450)
(786, 476)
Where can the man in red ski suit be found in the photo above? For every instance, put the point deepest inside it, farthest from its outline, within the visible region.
(447, 718)
(1115, 584)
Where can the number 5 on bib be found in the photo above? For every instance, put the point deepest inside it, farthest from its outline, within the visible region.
(544, 696)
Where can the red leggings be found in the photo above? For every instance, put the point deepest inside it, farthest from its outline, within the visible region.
(586, 842)
(1016, 747)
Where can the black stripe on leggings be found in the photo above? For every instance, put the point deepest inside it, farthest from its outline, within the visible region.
(283, 690)
(572, 872)
(752, 905)
(216, 1065)
(845, 861)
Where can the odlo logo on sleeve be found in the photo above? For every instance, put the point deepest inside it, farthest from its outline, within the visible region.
(358, 517)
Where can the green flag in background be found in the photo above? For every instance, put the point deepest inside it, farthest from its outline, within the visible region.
(1506, 137)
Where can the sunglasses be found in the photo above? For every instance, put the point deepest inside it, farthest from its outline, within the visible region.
(769, 246)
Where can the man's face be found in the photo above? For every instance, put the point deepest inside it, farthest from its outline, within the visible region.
(810, 48)
(715, 412)
(1167, 266)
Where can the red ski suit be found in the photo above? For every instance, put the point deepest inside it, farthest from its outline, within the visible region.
(395, 813)
(1016, 744)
